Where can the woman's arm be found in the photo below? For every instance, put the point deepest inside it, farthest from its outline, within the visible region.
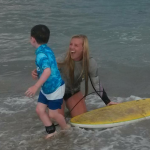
(95, 82)
(34, 74)
(98, 88)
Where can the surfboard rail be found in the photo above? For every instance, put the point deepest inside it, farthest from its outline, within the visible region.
(114, 115)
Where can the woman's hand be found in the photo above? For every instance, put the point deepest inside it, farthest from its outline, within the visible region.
(111, 103)
(34, 74)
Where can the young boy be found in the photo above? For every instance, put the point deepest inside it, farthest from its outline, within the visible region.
(53, 87)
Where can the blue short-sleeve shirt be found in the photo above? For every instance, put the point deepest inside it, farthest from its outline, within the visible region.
(45, 59)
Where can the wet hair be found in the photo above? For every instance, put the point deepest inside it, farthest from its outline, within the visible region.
(41, 33)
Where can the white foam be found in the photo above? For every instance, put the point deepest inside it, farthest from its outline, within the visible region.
(94, 101)
(126, 37)
(2, 134)
(6, 111)
(19, 100)
(23, 142)
(17, 59)
(17, 104)
(107, 148)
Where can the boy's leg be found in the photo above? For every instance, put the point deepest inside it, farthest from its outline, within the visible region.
(41, 111)
(54, 114)
(62, 110)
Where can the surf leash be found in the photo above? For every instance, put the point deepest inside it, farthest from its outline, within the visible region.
(95, 91)
(78, 103)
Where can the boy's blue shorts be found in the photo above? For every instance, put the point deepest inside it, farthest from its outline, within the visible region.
(52, 104)
(53, 100)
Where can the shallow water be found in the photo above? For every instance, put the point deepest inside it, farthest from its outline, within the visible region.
(21, 129)
(118, 33)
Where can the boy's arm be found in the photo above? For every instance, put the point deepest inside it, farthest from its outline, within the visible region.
(33, 89)
(45, 75)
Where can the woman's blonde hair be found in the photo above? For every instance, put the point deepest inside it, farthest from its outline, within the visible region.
(85, 62)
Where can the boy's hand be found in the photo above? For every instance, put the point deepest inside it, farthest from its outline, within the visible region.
(31, 91)
(34, 74)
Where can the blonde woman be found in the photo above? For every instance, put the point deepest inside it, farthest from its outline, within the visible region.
(74, 67)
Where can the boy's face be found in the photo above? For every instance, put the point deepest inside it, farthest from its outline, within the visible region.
(32, 41)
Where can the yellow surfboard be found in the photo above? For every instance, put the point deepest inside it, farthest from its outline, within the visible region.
(114, 115)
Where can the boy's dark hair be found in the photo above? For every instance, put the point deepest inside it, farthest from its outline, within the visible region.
(41, 33)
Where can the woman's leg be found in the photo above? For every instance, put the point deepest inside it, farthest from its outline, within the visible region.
(80, 108)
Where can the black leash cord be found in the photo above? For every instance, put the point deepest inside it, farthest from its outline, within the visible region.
(94, 88)
(88, 94)
(85, 96)
(81, 99)
(79, 102)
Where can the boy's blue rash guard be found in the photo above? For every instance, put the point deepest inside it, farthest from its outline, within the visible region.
(45, 59)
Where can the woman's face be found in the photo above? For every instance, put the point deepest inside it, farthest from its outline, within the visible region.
(76, 49)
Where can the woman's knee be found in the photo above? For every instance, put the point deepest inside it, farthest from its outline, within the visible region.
(76, 104)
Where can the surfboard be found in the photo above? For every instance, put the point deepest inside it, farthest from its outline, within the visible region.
(114, 115)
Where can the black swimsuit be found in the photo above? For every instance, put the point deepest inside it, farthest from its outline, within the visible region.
(68, 95)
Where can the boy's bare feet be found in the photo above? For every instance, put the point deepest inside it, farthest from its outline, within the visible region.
(50, 135)
(67, 127)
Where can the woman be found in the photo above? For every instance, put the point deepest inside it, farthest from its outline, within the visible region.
(74, 67)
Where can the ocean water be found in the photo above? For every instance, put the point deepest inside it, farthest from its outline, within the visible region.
(119, 39)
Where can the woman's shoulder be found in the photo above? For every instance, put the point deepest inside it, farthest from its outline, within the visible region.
(92, 61)
(93, 68)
